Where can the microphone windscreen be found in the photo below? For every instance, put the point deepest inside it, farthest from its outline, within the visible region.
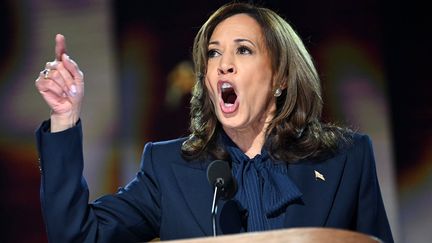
(219, 174)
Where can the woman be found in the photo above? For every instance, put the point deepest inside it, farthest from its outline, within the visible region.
(257, 104)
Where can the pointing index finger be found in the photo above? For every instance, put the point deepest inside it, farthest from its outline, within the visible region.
(60, 46)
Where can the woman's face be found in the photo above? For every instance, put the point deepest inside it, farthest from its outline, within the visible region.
(239, 75)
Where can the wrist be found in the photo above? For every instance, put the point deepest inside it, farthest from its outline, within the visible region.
(62, 122)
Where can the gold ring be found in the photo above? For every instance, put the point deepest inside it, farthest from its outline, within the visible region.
(45, 72)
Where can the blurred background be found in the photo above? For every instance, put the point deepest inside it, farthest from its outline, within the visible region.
(373, 57)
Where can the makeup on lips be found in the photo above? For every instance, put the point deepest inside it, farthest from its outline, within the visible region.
(228, 95)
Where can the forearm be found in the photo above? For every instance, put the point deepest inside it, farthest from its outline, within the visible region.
(64, 193)
(64, 196)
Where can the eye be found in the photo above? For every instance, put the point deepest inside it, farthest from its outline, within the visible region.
(212, 53)
(243, 50)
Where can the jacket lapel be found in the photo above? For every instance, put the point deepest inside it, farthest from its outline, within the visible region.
(311, 210)
(197, 192)
(318, 181)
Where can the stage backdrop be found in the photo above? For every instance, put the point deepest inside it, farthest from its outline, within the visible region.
(136, 56)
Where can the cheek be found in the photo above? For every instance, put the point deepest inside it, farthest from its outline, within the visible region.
(260, 92)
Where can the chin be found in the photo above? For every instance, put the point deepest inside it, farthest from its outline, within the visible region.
(232, 123)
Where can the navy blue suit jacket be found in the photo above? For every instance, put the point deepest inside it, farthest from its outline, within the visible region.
(171, 198)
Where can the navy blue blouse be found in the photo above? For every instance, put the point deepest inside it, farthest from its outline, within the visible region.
(264, 187)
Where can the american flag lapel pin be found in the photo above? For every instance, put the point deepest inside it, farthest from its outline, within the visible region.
(319, 176)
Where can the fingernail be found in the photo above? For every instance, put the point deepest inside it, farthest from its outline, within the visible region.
(52, 64)
(73, 90)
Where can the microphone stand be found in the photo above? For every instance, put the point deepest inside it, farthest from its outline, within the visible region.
(219, 183)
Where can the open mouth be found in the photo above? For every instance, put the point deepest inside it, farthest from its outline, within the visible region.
(228, 94)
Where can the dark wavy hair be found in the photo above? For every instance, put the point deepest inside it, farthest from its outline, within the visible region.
(295, 132)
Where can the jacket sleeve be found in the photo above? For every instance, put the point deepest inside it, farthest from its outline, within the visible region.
(371, 214)
(130, 215)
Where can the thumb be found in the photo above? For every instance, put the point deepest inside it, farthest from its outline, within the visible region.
(60, 46)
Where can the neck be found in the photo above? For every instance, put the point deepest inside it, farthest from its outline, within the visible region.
(250, 141)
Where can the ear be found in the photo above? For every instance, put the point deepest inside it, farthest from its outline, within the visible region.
(282, 84)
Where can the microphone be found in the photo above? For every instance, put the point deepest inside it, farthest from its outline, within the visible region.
(220, 177)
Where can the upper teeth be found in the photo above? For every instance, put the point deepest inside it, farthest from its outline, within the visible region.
(226, 85)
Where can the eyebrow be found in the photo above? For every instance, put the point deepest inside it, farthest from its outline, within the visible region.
(236, 41)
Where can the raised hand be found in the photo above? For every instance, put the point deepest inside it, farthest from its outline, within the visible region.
(61, 85)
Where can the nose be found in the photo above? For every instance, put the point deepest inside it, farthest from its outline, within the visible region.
(226, 67)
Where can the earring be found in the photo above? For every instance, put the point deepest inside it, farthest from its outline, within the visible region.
(277, 92)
